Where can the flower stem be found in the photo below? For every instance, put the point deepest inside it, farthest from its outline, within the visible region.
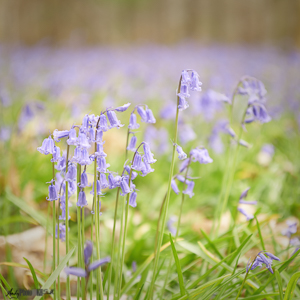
(78, 228)
(46, 237)
(83, 281)
(165, 210)
(68, 288)
(92, 238)
(58, 277)
(54, 229)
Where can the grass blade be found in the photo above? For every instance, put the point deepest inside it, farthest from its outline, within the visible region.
(291, 286)
(3, 291)
(260, 236)
(212, 244)
(12, 264)
(56, 273)
(279, 281)
(36, 283)
(137, 297)
(179, 272)
(5, 282)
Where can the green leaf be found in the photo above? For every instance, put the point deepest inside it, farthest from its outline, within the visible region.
(260, 236)
(137, 297)
(180, 277)
(12, 264)
(279, 281)
(36, 283)
(17, 219)
(5, 282)
(212, 244)
(56, 272)
(3, 290)
(291, 286)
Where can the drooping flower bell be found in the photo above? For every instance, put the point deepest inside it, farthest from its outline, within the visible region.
(185, 77)
(47, 146)
(195, 84)
(181, 154)
(150, 116)
(82, 199)
(113, 120)
(112, 182)
(62, 232)
(124, 186)
(148, 155)
(72, 172)
(137, 162)
(57, 135)
(98, 188)
(72, 140)
(142, 113)
(189, 189)
(103, 126)
(146, 169)
(245, 213)
(56, 154)
(132, 199)
(84, 180)
(174, 186)
(99, 136)
(52, 192)
(132, 122)
(201, 155)
(132, 144)
(133, 174)
(83, 141)
(184, 91)
(84, 157)
(183, 104)
(123, 107)
(102, 165)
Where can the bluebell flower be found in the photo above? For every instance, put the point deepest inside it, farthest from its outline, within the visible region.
(174, 186)
(84, 158)
(91, 134)
(56, 154)
(132, 122)
(72, 140)
(47, 146)
(82, 199)
(184, 165)
(99, 136)
(103, 126)
(245, 213)
(113, 120)
(100, 151)
(133, 174)
(79, 272)
(244, 195)
(146, 168)
(72, 172)
(132, 144)
(262, 259)
(72, 188)
(77, 154)
(184, 91)
(183, 104)
(98, 188)
(102, 165)
(85, 123)
(150, 116)
(112, 182)
(181, 154)
(142, 113)
(125, 187)
(83, 141)
(61, 164)
(148, 157)
(292, 229)
(137, 162)
(84, 180)
(57, 135)
(103, 180)
(201, 155)
(189, 189)
(195, 84)
(123, 107)
(260, 113)
(132, 199)
(185, 77)
(52, 192)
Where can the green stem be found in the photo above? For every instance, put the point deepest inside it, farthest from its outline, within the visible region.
(79, 254)
(46, 237)
(54, 238)
(83, 281)
(165, 210)
(58, 277)
(68, 288)
(92, 238)
(113, 243)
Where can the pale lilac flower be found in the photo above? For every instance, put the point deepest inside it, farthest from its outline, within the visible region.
(52, 192)
(79, 272)
(181, 154)
(142, 113)
(62, 232)
(56, 154)
(262, 259)
(124, 186)
(83, 141)
(133, 174)
(113, 120)
(182, 103)
(84, 180)
(77, 154)
(150, 116)
(91, 134)
(123, 108)
(292, 229)
(98, 188)
(186, 133)
(85, 123)
(112, 182)
(184, 165)
(57, 135)
(170, 225)
(72, 140)
(72, 172)
(146, 169)
(103, 180)
(244, 195)
(195, 84)
(148, 155)
(99, 136)
(137, 162)
(47, 146)
(84, 157)
(189, 189)
(184, 91)
(102, 165)
(174, 186)
(132, 199)
(268, 148)
(245, 213)
(132, 144)
(82, 199)
(103, 126)
(132, 122)
(201, 155)
(100, 150)
(185, 77)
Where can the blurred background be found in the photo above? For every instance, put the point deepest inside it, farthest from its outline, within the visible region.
(274, 22)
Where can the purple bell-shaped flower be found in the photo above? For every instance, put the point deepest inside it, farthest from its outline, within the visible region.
(132, 199)
(183, 104)
(82, 199)
(72, 140)
(142, 113)
(174, 186)
(102, 165)
(181, 154)
(72, 172)
(100, 151)
(150, 116)
(112, 182)
(195, 84)
(98, 188)
(84, 158)
(103, 126)
(132, 144)
(56, 154)
(189, 189)
(113, 120)
(52, 193)
(84, 180)
(148, 155)
(123, 107)
(124, 186)
(137, 162)
(47, 146)
(132, 122)
(83, 141)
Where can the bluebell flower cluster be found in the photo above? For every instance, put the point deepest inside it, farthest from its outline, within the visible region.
(262, 258)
